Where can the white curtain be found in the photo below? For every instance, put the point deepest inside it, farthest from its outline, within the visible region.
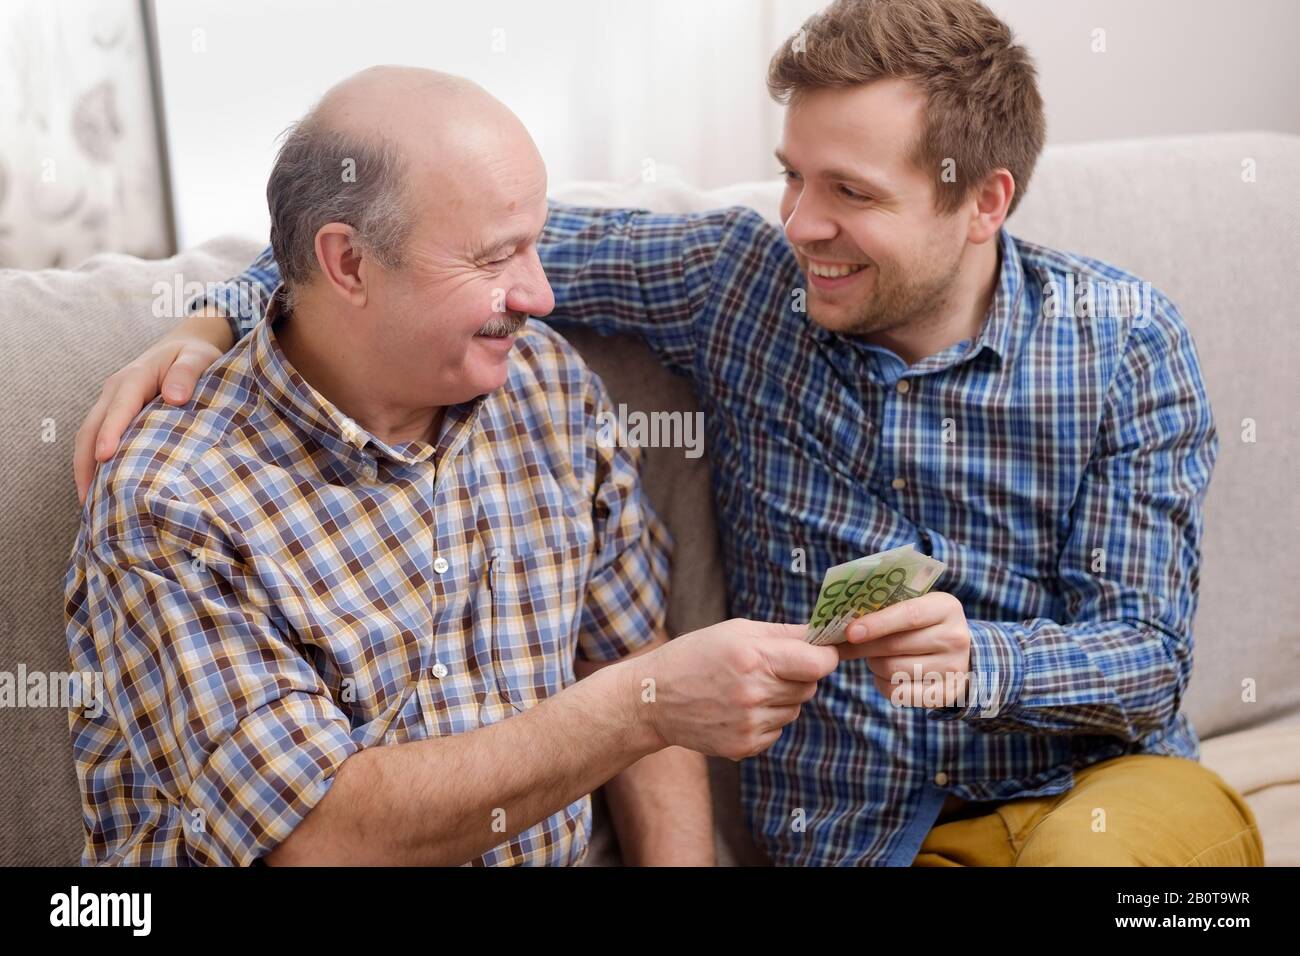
(79, 164)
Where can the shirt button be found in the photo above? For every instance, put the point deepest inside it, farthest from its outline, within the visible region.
(903, 386)
(898, 484)
(439, 670)
(440, 565)
(941, 779)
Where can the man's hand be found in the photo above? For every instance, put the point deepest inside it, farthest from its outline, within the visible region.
(728, 689)
(907, 644)
(171, 366)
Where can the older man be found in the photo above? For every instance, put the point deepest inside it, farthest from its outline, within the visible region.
(374, 594)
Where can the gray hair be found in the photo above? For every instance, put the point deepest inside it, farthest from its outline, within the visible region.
(321, 176)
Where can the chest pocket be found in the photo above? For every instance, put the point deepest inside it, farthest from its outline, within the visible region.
(536, 590)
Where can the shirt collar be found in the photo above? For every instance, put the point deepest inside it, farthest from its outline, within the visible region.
(1001, 330)
(295, 399)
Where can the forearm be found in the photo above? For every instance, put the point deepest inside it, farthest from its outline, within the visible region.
(1118, 678)
(435, 802)
(661, 805)
(242, 299)
(662, 810)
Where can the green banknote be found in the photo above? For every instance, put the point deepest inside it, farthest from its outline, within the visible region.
(868, 584)
(839, 586)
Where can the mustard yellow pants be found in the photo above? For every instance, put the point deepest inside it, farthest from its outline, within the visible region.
(1138, 810)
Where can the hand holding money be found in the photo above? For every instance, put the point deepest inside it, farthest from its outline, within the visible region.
(869, 584)
(880, 605)
(918, 650)
(728, 690)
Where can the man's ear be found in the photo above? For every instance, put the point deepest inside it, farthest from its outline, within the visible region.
(340, 259)
(992, 201)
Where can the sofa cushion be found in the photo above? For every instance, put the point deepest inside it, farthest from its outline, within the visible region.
(64, 332)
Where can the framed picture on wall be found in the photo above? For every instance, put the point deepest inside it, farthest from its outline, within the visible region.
(83, 165)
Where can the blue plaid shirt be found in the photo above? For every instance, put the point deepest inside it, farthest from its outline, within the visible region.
(1057, 464)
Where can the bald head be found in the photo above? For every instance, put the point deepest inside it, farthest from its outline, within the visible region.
(401, 103)
(379, 151)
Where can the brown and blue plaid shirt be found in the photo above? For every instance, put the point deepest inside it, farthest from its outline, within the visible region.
(267, 589)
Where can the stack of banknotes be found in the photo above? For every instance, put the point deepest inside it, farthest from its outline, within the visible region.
(868, 584)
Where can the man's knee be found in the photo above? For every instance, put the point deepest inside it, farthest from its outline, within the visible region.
(1145, 810)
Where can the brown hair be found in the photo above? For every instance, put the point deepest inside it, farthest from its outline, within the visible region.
(983, 110)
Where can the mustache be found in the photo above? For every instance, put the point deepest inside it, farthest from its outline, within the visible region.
(504, 323)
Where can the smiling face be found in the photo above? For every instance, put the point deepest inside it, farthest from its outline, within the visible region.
(470, 273)
(877, 254)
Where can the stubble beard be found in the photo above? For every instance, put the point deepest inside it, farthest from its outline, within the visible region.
(896, 304)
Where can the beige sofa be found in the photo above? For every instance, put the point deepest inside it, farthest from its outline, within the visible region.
(1185, 213)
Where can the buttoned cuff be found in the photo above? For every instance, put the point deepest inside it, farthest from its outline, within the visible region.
(997, 673)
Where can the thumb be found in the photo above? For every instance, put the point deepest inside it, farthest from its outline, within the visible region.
(790, 631)
(798, 661)
(181, 377)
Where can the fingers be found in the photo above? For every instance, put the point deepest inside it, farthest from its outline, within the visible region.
(905, 668)
(928, 640)
(83, 454)
(910, 615)
(946, 692)
(774, 718)
(891, 691)
(792, 694)
(124, 394)
(764, 742)
(133, 392)
(178, 384)
(174, 371)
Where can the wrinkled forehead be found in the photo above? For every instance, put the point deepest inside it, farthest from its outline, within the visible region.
(482, 183)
